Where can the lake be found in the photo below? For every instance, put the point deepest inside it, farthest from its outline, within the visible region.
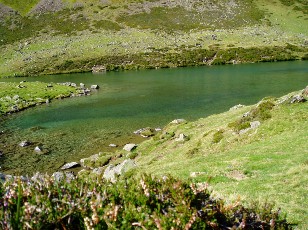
(71, 129)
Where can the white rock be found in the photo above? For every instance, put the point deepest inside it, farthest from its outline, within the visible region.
(70, 165)
(129, 147)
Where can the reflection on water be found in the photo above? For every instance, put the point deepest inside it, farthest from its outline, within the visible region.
(126, 101)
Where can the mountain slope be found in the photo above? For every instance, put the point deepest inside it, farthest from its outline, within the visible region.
(66, 36)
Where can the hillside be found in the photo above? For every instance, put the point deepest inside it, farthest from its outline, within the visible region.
(242, 169)
(43, 37)
(250, 154)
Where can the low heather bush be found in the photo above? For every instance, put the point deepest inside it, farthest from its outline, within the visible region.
(145, 202)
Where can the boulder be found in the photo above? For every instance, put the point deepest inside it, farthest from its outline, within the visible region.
(129, 147)
(297, 99)
(253, 125)
(98, 69)
(178, 121)
(182, 137)
(24, 143)
(59, 176)
(236, 107)
(82, 86)
(94, 87)
(112, 172)
(70, 165)
(145, 132)
(38, 149)
(98, 171)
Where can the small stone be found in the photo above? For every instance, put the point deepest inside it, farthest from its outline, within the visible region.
(59, 176)
(24, 143)
(70, 165)
(37, 149)
(178, 121)
(113, 145)
(130, 147)
(94, 87)
(236, 107)
(255, 124)
(182, 137)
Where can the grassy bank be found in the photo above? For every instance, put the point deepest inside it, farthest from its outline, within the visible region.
(245, 167)
(266, 163)
(15, 97)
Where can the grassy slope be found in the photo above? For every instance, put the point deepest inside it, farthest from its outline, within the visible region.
(269, 163)
(94, 33)
(15, 97)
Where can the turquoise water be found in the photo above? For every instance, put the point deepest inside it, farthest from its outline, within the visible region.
(73, 128)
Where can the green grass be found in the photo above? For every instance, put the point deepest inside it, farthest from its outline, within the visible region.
(150, 35)
(15, 97)
(268, 163)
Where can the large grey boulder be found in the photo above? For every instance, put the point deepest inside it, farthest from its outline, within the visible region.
(129, 147)
(112, 172)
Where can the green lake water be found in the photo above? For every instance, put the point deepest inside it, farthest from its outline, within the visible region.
(126, 101)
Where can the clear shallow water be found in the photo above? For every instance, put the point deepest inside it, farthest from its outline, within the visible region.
(73, 128)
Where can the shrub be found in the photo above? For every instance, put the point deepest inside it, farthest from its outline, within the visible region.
(145, 202)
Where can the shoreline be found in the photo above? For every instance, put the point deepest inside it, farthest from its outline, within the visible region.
(165, 58)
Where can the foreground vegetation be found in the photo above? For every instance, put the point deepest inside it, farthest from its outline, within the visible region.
(73, 36)
(144, 203)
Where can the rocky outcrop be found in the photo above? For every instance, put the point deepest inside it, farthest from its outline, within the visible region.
(112, 172)
(253, 125)
(45, 6)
